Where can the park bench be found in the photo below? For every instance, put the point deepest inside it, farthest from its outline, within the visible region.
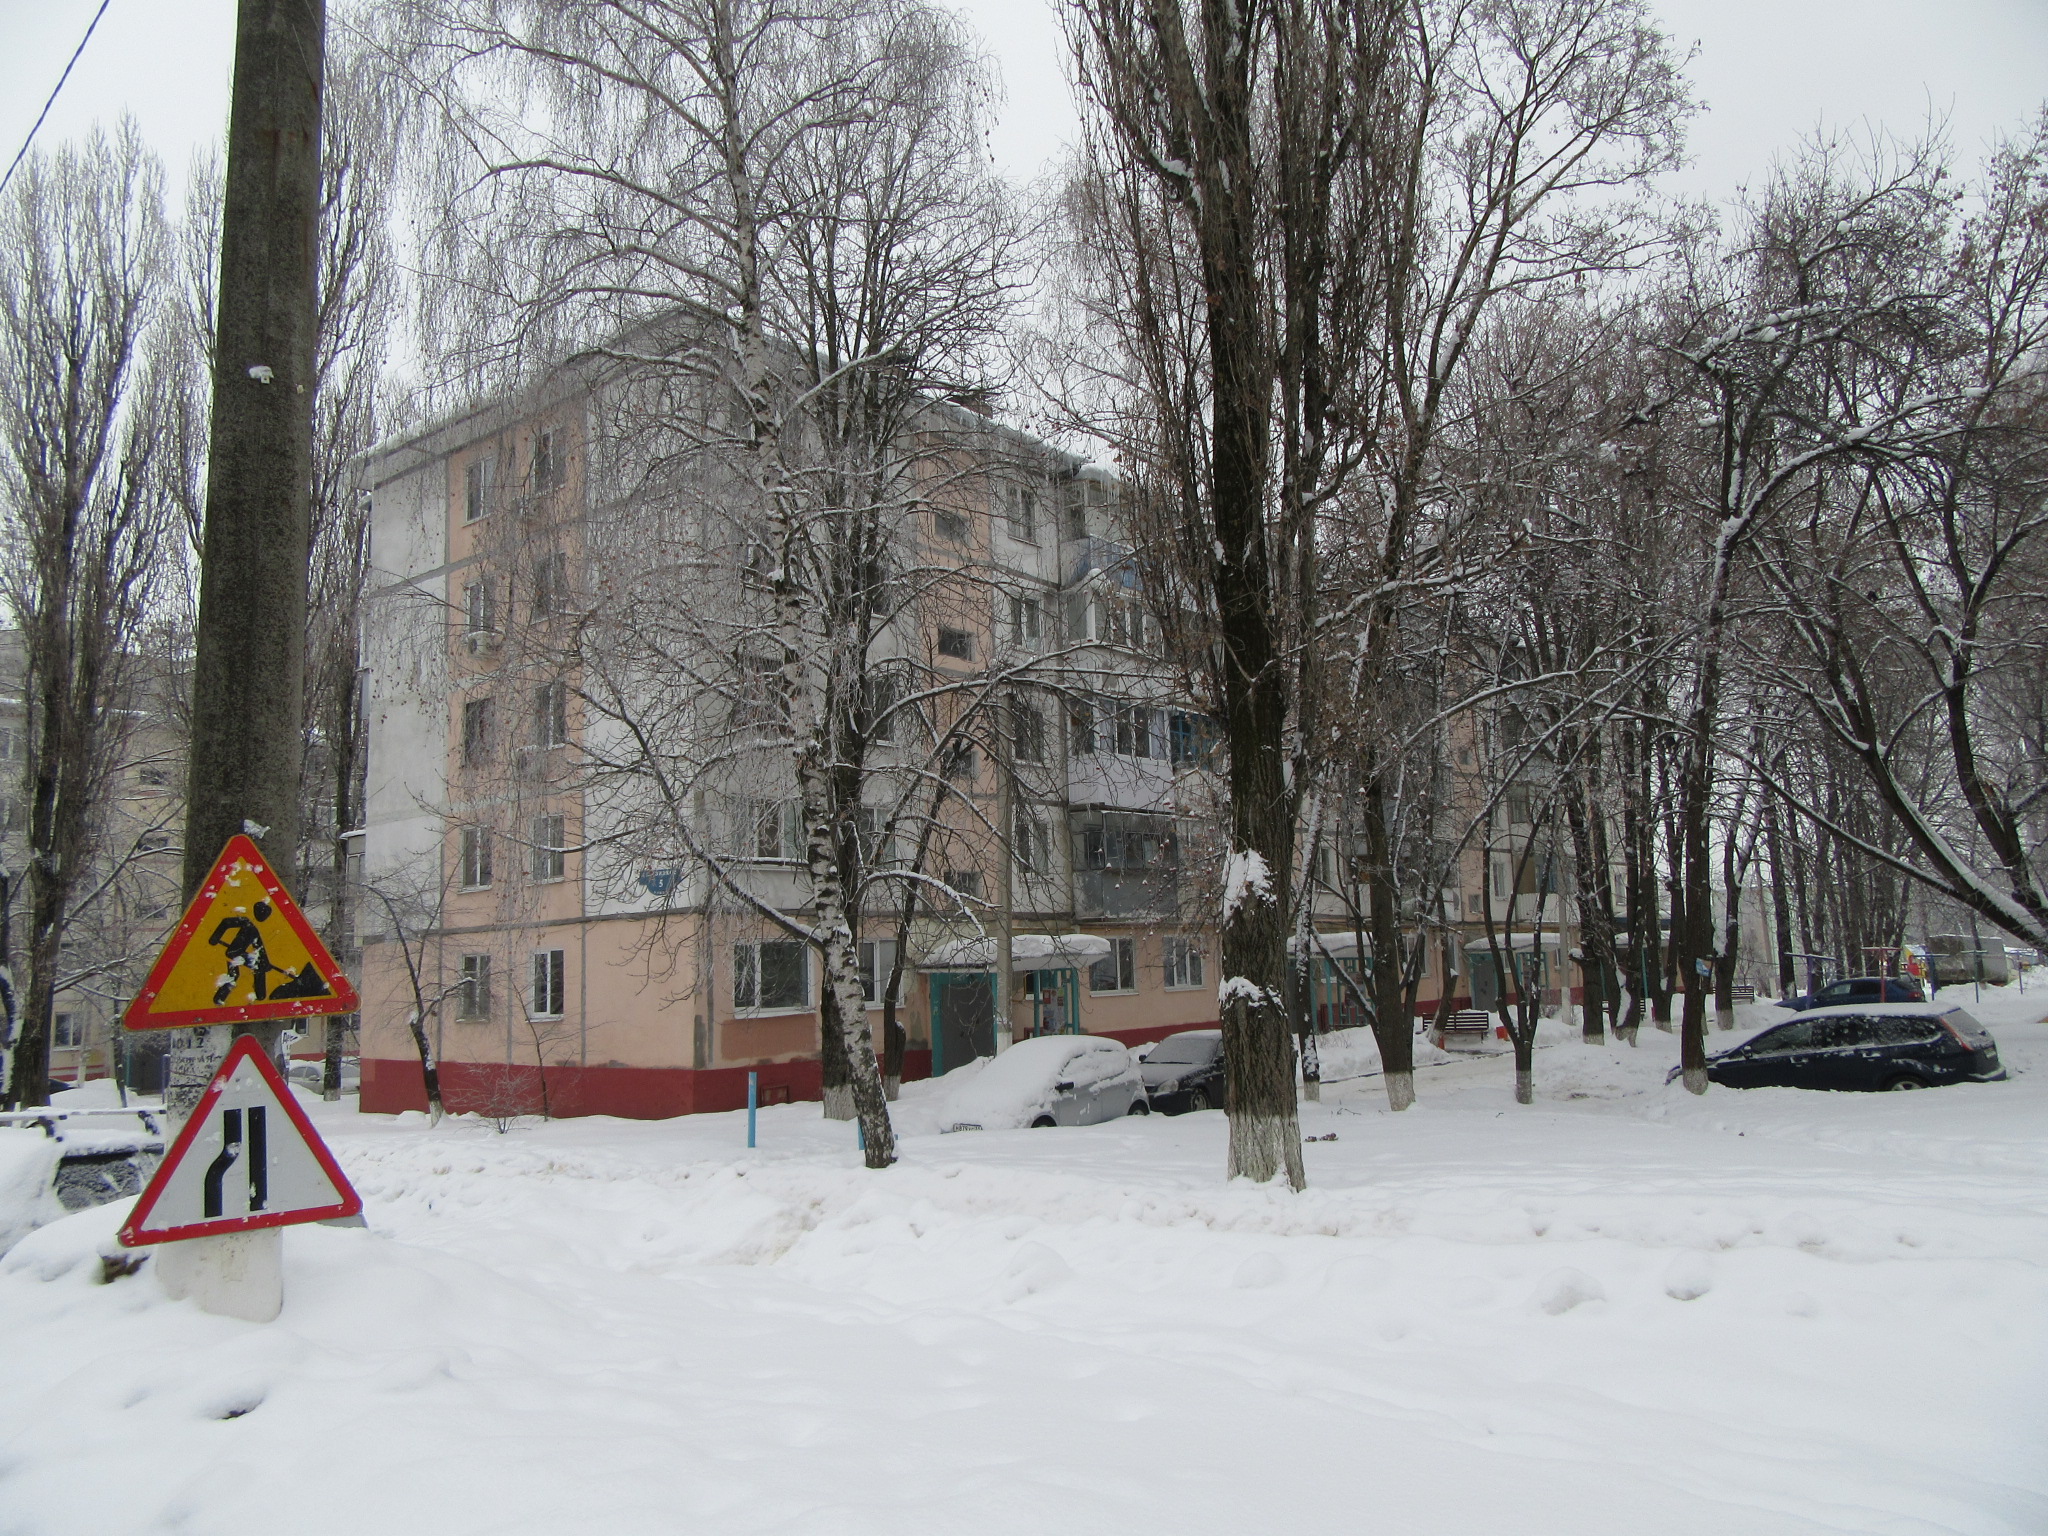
(1467, 1024)
(1742, 992)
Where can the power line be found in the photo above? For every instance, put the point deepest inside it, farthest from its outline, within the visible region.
(23, 151)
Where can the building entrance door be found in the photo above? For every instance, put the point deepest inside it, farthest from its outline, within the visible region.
(963, 1019)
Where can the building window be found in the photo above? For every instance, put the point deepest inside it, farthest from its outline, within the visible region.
(551, 715)
(956, 643)
(548, 988)
(1031, 842)
(877, 960)
(1081, 726)
(1191, 738)
(1183, 961)
(1027, 621)
(479, 607)
(1134, 731)
(153, 778)
(879, 696)
(551, 584)
(1116, 971)
(1027, 732)
(959, 765)
(770, 829)
(1075, 507)
(877, 840)
(476, 858)
(550, 857)
(1020, 507)
(67, 1033)
(548, 468)
(1130, 842)
(950, 526)
(476, 732)
(966, 882)
(762, 694)
(473, 997)
(478, 482)
(773, 974)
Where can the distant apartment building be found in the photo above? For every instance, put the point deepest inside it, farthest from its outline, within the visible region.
(127, 899)
(559, 936)
(514, 898)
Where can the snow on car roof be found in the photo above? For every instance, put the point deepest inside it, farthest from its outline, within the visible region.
(1898, 1010)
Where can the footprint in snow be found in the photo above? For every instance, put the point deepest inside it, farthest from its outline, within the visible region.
(1563, 1289)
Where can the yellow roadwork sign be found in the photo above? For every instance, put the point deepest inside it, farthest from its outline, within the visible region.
(243, 952)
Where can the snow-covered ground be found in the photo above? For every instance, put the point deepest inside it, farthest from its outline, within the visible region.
(1622, 1310)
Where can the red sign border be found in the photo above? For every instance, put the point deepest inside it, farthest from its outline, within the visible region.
(344, 999)
(247, 1048)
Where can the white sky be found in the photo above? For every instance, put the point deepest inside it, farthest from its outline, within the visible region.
(1768, 70)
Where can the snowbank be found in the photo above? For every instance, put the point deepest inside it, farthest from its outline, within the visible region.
(1620, 1310)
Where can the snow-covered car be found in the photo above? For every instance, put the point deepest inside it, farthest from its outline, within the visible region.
(1051, 1080)
(1875, 1047)
(54, 1162)
(307, 1074)
(1185, 1071)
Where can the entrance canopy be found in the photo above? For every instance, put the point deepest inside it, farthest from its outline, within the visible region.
(1514, 941)
(1028, 952)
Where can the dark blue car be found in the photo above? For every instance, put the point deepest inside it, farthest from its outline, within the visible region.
(1880, 1047)
(1859, 989)
(1185, 1072)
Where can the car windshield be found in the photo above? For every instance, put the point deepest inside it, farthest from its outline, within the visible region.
(1180, 1051)
(1966, 1021)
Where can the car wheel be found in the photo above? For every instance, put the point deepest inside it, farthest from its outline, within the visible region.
(1198, 1100)
(1902, 1084)
(1043, 1120)
(1139, 1107)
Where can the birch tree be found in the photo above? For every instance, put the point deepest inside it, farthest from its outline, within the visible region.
(765, 232)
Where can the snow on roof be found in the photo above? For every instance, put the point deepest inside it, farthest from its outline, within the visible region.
(1051, 949)
(1513, 941)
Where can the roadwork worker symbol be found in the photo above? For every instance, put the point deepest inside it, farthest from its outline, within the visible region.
(241, 936)
(243, 951)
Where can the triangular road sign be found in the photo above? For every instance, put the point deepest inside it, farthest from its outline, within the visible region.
(242, 953)
(247, 1158)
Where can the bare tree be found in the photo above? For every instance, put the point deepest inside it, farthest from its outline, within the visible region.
(88, 513)
(766, 232)
(1221, 245)
(1913, 576)
(357, 305)
(1787, 350)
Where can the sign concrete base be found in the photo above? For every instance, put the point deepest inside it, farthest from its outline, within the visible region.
(238, 1274)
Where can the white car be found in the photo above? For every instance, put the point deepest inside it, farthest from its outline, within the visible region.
(1050, 1080)
(308, 1075)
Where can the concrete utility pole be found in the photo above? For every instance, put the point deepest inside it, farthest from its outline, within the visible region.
(248, 673)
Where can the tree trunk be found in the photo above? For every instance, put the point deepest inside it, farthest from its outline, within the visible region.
(1596, 922)
(1393, 1027)
(1698, 942)
(1265, 1130)
(1781, 904)
(430, 1066)
(835, 1071)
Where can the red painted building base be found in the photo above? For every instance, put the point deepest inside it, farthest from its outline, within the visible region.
(631, 1093)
